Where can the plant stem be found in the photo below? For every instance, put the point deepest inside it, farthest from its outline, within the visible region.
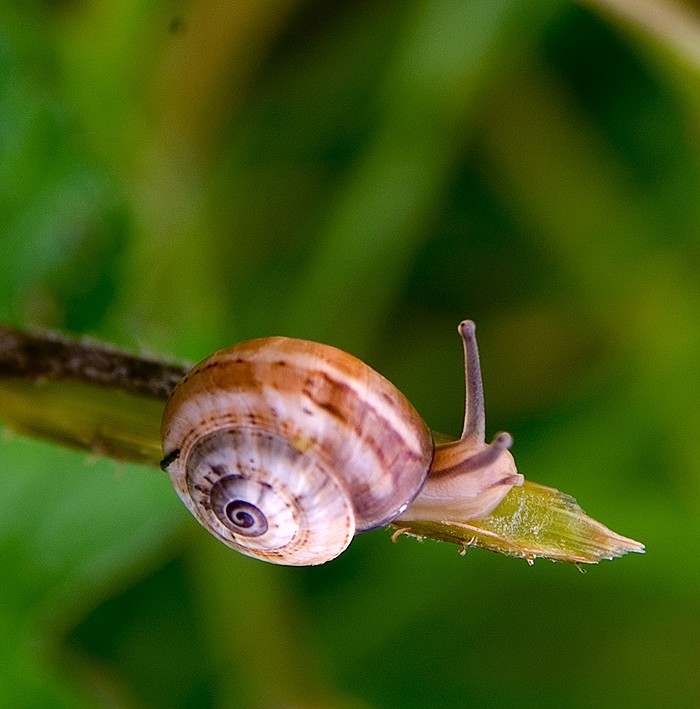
(84, 394)
(41, 356)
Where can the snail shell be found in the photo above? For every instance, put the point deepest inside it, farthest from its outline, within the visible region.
(284, 448)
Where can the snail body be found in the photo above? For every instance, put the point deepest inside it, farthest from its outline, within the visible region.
(285, 448)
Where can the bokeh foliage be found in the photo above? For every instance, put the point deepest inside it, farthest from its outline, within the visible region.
(176, 176)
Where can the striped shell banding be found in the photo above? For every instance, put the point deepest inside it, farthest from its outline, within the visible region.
(285, 448)
(307, 440)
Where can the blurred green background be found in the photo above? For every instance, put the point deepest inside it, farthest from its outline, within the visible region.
(176, 176)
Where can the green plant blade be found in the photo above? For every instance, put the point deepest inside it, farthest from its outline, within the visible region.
(102, 420)
(533, 521)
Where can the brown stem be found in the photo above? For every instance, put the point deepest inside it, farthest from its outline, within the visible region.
(42, 356)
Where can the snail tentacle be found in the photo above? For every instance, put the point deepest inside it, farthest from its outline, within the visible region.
(474, 409)
(468, 477)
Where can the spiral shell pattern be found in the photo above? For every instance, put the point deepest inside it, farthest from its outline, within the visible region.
(285, 448)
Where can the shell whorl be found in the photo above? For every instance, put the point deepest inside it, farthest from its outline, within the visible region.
(284, 448)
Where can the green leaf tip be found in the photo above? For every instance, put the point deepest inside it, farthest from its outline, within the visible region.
(533, 521)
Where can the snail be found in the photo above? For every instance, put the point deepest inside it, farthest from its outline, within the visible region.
(284, 449)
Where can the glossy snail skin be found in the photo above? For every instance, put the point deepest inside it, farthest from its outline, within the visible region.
(284, 448)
